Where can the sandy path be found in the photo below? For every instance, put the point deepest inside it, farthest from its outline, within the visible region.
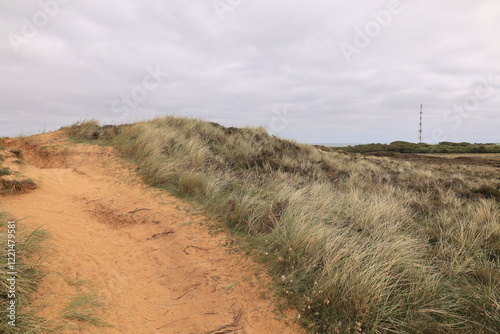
(149, 258)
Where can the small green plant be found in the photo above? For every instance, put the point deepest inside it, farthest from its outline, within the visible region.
(5, 171)
(230, 286)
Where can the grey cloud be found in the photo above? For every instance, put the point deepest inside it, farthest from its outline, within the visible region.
(262, 58)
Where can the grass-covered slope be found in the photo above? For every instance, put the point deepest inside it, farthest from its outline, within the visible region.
(358, 244)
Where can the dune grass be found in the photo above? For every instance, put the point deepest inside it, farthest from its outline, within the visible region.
(357, 244)
(28, 277)
(85, 309)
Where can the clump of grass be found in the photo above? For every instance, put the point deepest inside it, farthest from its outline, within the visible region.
(358, 244)
(84, 309)
(5, 171)
(14, 187)
(90, 130)
(28, 277)
(488, 192)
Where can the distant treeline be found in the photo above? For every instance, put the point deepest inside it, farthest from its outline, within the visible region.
(442, 147)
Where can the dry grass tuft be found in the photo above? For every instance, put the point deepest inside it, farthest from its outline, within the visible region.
(91, 130)
(29, 275)
(15, 187)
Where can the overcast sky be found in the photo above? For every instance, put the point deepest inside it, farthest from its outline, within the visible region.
(317, 71)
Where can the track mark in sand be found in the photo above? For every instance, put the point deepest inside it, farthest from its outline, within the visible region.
(157, 235)
(153, 269)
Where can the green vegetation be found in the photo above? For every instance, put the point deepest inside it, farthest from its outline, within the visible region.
(28, 277)
(357, 244)
(5, 171)
(406, 147)
(84, 308)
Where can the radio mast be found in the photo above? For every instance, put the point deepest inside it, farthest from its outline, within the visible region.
(421, 131)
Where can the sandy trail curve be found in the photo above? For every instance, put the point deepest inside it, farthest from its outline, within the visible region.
(149, 258)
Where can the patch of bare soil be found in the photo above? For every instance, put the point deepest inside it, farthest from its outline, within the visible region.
(149, 257)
